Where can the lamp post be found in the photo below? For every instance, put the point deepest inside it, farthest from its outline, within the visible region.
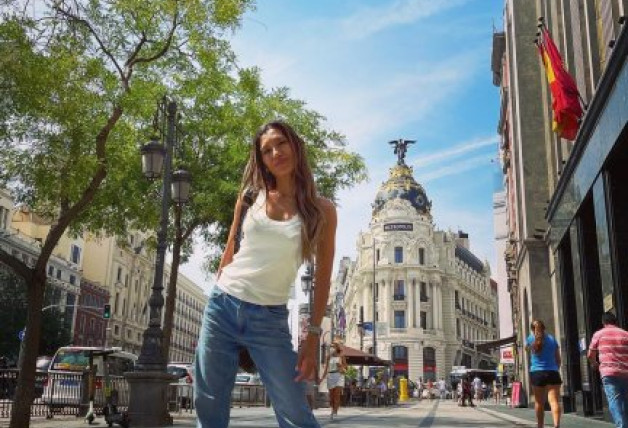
(149, 382)
(307, 286)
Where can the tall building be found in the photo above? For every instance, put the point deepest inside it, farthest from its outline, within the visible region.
(566, 199)
(430, 297)
(500, 228)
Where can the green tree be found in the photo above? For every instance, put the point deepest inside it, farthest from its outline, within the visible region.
(77, 79)
(56, 330)
(218, 167)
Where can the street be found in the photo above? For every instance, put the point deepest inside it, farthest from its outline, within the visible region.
(424, 414)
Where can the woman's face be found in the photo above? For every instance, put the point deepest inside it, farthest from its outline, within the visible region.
(277, 153)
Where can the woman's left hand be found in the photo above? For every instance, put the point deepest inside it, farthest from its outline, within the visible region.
(306, 362)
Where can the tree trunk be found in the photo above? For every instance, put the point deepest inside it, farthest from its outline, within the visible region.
(171, 295)
(21, 409)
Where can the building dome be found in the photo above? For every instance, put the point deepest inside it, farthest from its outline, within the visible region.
(401, 184)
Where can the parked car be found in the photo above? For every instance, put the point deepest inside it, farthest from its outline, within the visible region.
(41, 374)
(71, 363)
(248, 389)
(182, 388)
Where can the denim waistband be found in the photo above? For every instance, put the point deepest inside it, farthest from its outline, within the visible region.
(216, 291)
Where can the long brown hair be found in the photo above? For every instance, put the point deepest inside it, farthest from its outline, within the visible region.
(258, 177)
(538, 328)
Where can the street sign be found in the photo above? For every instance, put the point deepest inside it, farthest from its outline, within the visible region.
(21, 334)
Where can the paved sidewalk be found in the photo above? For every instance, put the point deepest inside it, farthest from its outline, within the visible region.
(568, 420)
(412, 414)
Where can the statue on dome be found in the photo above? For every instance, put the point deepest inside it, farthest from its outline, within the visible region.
(401, 147)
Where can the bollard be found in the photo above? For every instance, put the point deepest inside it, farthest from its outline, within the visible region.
(403, 389)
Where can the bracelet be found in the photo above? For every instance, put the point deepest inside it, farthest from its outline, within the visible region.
(312, 329)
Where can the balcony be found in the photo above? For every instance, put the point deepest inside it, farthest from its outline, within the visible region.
(399, 297)
(424, 298)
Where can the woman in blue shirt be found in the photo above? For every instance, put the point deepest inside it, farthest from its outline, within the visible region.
(544, 374)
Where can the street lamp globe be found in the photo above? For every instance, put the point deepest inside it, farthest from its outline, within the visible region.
(153, 155)
(181, 183)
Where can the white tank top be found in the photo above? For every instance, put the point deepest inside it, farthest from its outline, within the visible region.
(266, 266)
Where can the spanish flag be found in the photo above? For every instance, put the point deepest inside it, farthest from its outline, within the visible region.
(565, 96)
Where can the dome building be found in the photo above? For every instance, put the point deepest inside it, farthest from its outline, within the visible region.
(433, 298)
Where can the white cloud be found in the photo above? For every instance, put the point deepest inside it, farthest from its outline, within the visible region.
(468, 146)
(370, 20)
(455, 168)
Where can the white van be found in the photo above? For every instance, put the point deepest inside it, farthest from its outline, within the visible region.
(68, 369)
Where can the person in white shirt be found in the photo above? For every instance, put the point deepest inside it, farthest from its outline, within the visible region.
(285, 225)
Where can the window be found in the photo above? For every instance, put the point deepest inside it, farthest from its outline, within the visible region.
(423, 320)
(457, 299)
(423, 286)
(398, 254)
(51, 270)
(377, 256)
(400, 319)
(72, 279)
(75, 254)
(421, 256)
(376, 292)
(400, 290)
(457, 328)
(119, 276)
(399, 353)
(116, 330)
(58, 273)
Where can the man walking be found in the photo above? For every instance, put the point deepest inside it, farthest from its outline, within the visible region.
(609, 352)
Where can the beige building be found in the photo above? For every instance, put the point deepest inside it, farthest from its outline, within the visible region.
(125, 267)
(22, 233)
(432, 297)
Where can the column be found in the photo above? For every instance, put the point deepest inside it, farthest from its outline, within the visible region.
(409, 300)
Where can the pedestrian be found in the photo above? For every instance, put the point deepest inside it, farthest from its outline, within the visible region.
(442, 388)
(544, 375)
(497, 393)
(430, 387)
(477, 387)
(608, 352)
(466, 392)
(419, 386)
(287, 223)
(335, 369)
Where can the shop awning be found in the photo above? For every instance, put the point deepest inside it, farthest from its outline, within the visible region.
(355, 357)
(487, 346)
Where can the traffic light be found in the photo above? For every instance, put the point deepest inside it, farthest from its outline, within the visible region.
(106, 312)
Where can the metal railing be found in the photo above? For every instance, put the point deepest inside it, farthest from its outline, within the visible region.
(249, 396)
(62, 393)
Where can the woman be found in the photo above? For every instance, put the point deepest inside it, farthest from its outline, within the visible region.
(335, 367)
(544, 374)
(287, 223)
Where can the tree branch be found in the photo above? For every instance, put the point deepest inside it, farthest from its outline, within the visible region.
(190, 229)
(101, 44)
(162, 51)
(17, 266)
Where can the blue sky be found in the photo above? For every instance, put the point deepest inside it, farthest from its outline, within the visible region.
(383, 70)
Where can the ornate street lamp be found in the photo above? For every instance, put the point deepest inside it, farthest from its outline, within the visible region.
(148, 384)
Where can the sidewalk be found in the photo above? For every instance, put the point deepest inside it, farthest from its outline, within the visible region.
(526, 414)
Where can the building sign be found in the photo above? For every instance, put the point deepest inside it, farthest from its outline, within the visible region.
(506, 356)
(391, 227)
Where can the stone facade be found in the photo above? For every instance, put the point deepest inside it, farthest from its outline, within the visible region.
(433, 297)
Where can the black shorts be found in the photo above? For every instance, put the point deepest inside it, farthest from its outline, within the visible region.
(545, 378)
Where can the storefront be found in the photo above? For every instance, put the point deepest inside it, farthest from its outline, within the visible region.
(588, 215)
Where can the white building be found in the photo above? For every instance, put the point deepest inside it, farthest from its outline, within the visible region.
(433, 297)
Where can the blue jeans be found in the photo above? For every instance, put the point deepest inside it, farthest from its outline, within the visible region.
(229, 324)
(616, 390)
